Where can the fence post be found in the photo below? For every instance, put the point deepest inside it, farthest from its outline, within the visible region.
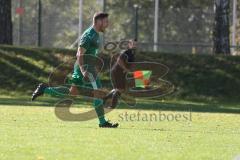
(156, 26)
(234, 25)
(39, 23)
(136, 7)
(80, 20)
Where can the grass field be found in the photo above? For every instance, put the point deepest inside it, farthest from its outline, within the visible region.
(31, 131)
(200, 120)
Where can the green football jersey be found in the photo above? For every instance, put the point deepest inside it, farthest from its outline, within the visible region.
(90, 40)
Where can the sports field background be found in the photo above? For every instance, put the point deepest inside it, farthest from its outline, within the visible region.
(30, 130)
(198, 41)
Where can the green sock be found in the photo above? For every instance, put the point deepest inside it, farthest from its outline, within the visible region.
(57, 91)
(98, 105)
(64, 91)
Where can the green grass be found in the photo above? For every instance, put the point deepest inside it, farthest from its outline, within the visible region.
(206, 98)
(31, 131)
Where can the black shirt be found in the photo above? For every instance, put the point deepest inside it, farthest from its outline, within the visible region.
(118, 75)
(126, 56)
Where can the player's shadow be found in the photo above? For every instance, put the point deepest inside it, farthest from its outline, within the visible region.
(24, 101)
(210, 107)
(164, 130)
(196, 106)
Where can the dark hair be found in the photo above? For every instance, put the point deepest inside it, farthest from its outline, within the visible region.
(132, 40)
(100, 16)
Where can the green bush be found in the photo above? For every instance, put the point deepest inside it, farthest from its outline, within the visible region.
(194, 76)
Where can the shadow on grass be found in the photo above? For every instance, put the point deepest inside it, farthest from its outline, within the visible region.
(41, 102)
(210, 131)
(23, 101)
(216, 107)
(170, 105)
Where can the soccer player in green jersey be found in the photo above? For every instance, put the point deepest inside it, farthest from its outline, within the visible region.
(84, 72)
